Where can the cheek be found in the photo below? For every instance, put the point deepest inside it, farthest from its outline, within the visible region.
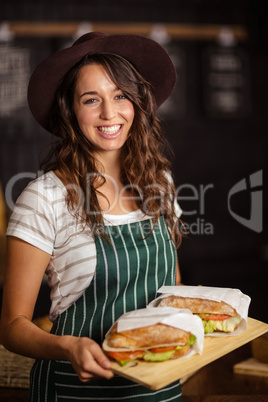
(129, 113)
(84, 119)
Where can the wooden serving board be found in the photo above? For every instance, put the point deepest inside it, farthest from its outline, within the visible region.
(156, 375)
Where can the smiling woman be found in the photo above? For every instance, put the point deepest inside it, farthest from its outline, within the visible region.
(102, 222)
(105, 91)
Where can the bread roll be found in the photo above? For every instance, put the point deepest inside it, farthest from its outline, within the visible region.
(147, 336)
(197, 305)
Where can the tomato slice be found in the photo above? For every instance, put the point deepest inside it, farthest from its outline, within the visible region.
(125, 355)
(215, 317)
(163, 349)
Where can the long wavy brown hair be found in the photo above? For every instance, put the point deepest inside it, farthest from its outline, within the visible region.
(144, 164)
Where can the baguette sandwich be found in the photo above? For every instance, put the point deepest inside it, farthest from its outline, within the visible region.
(156, 342)
(215, 316)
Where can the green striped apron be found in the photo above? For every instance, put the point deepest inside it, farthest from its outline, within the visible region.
(130, 269)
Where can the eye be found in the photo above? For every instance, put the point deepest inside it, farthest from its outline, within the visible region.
(90, 101)
(121, 96)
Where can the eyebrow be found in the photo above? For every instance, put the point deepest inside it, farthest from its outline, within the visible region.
(89, 93)
(96, 93)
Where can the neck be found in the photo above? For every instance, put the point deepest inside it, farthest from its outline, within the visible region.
(109, 163)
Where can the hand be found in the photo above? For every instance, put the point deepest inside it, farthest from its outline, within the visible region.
(87, 359)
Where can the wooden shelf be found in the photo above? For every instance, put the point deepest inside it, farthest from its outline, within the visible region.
(176, 31)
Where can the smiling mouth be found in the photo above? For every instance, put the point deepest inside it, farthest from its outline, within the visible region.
(110, 130)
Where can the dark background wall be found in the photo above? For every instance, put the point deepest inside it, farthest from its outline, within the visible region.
(216, 122)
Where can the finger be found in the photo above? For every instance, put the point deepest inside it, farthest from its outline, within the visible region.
(90, 378)
(85, 377)
(100, 357)
(92, 369)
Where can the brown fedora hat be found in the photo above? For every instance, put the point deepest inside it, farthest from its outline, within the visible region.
(147, 56)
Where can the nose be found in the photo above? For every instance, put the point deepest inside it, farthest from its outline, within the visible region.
(108, 111)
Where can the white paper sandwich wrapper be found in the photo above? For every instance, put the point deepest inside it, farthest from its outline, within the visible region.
(178, 318)
(234, 297)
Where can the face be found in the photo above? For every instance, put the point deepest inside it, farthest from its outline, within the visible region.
(103, 112)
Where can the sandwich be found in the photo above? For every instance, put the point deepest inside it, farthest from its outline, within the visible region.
(152, 343)
(215, 315)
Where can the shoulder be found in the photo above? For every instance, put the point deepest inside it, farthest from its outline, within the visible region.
(44, 194)
(47, 182)
(34, 216)
(46, 187)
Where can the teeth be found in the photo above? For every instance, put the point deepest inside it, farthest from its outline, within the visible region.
(110, 130)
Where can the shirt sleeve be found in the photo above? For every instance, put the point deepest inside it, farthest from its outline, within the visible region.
(178, 210)
(32, 219)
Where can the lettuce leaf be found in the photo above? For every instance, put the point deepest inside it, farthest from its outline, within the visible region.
(223, 325)
(158, 357)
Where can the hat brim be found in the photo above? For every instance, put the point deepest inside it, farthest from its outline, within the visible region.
(147, 56)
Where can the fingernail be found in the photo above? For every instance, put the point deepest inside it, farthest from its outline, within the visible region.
(106, 364)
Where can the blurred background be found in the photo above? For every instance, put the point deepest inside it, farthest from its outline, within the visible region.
(216, 121)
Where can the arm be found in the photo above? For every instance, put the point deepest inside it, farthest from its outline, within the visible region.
(26, 265)
(178, 274)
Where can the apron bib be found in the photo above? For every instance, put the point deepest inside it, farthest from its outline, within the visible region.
(130, 269)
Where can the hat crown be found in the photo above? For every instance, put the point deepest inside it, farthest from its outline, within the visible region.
(89, 36)
(149, 58)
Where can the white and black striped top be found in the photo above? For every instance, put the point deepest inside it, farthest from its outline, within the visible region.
(41, 218)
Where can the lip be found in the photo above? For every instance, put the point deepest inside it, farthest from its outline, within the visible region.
(110, 136)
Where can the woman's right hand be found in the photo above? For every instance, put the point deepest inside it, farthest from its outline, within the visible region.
(25, 269)
(87, 358)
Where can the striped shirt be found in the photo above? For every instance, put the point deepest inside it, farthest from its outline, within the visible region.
(41, 218)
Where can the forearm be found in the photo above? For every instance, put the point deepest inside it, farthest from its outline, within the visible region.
(178, 274)
(88, 360)
(20, 335)
(23, 337)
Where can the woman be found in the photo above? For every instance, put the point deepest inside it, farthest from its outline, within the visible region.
(102, 220)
